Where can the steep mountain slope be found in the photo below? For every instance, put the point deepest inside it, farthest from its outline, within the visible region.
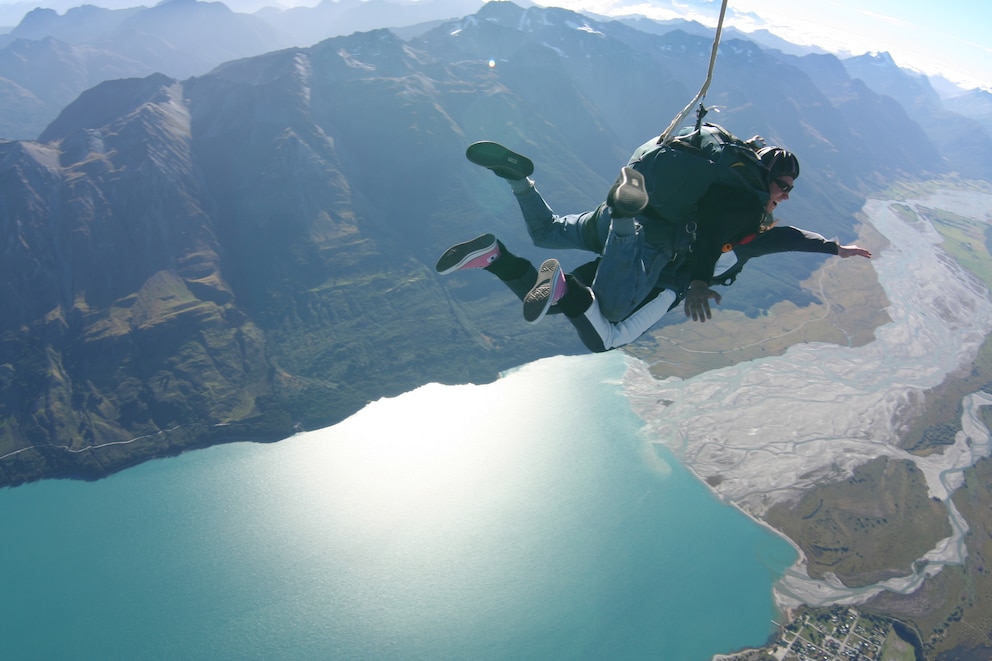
(964, 143)
(877, 119)
(42, 76)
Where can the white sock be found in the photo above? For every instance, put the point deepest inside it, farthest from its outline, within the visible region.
(521, 186)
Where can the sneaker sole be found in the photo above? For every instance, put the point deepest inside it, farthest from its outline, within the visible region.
(538, 299)
(499, 159)
(629, 197)
(461, 254)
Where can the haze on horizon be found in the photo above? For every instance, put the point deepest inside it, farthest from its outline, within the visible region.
(950, 42)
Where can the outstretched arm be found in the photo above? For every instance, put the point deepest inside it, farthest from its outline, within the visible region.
(851, 251)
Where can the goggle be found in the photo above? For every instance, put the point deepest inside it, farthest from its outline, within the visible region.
(784, 187)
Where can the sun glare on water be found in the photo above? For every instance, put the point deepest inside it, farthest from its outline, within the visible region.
(416, 458)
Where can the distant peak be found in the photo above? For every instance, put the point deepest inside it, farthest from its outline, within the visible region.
(881, 57)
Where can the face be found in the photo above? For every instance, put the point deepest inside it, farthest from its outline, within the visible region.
(778, 192)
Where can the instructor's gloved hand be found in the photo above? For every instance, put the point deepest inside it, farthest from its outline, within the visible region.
(697, 301)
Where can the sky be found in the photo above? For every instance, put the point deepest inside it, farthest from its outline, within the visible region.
(952, 38)
(949, 38)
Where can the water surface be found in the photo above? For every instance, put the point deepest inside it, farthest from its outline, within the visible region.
(524, 519)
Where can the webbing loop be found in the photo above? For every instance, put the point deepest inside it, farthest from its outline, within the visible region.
(666, 136)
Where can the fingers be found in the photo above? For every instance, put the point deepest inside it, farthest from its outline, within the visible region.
(697, 301)
(698, 307)
(691, 309)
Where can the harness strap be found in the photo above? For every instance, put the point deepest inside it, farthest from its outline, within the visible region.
(666, 136)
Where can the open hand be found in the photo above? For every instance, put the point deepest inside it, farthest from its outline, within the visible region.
(697, 301)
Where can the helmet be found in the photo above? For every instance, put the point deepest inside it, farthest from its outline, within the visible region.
(780, 163)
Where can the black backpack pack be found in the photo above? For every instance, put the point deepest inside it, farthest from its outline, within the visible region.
(678, 174)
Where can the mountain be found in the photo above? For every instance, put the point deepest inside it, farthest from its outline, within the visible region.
(48, 59)
(250, 251)
(39, 77)
(78, 25)
(877, 115)
(177, 37)
(303, 26)
(51, 58)
(881, 73)
(186, 37)
(964, 143)
(763, 38)
(975, 104)
(945, 87)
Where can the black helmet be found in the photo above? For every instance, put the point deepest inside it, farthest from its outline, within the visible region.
(780, 163)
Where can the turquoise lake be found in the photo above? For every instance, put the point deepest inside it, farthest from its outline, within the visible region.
(524, 519)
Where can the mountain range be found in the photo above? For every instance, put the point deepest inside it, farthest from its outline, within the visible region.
(249, 252)
(958, 125)
(48, 59)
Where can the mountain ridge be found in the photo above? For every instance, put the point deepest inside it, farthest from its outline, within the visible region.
(88, 44)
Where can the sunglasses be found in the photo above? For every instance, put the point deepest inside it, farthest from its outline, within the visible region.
(784, 187)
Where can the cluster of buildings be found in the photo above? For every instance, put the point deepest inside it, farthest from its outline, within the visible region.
(838, 634)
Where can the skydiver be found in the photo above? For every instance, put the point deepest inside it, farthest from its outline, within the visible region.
(639, 250)
(549, 289)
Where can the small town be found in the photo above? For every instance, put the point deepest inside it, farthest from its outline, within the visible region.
(838, 634)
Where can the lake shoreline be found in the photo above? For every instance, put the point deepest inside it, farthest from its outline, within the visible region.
(731, 436)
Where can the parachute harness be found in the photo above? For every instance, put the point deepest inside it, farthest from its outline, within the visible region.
(666, 137)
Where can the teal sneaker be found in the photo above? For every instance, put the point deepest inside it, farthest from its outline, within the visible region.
(499, 159)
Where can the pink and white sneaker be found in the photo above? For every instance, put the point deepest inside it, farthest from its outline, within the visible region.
(478, 253)
(547, 291)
